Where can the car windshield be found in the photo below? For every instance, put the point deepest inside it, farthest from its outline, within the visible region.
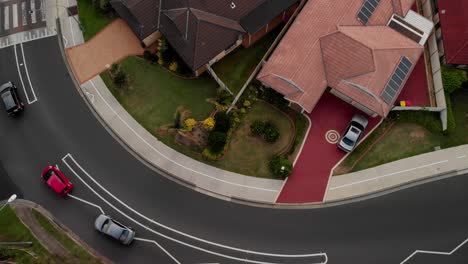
(124, 235)
(348, 141)
(48, 174)
(8, 100)
(356, 124)
(105, 224)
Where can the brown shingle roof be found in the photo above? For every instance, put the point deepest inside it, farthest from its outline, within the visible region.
(328, 47)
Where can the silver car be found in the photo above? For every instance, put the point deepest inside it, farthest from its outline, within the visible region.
(353, 133)
(105, 224)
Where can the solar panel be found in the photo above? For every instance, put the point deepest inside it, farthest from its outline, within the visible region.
(395, 83)
(367, 9)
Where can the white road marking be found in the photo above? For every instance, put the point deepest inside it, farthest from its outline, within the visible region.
(387, 175)
(461, 157)
(19, 73)
(434, 252)
(65, 40)
(33, 14)
(86, 202)
(6, 10)
(159, 246)
(168, 158)
(324, 255)
(15, 15)
(27, 75)
(24, 14)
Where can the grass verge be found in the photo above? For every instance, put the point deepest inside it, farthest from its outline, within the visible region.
(76, 250)
(92, 19)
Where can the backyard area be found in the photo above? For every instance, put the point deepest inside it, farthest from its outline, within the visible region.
(409, 134)
(92, 18)
(236, 67)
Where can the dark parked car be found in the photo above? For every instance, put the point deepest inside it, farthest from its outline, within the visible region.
(106, 225)
(11, 99)
(353, 133)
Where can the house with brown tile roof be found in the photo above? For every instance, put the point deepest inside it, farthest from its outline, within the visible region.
(452, 32)
(362, 51)
(203, 31)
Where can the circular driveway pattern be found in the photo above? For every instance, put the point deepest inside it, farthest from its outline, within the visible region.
(332, 136)
(382, 230)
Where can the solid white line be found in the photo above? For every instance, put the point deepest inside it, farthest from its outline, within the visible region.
(434, 252)
(14, 10)
(19, 73)
(387, 175)
(461, 157)
(169, 228)
(166, 157)
(160, 234)
(86, 202)
(160, 247)
(27, 75)
(7, 17)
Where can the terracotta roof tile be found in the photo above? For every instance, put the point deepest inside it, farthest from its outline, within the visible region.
(454, 23)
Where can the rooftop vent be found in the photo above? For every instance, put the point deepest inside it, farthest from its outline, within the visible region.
(233, 5)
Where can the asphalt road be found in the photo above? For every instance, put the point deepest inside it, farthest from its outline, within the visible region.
(59, 128)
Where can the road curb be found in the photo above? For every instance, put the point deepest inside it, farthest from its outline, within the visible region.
(239, 200)
(60, 226)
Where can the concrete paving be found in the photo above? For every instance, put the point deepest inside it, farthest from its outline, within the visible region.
(228, 185)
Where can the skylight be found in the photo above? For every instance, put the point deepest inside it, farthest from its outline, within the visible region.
(367, 9)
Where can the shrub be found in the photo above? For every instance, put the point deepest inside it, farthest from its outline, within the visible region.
(177, 120)
(209, 123)
(275, 98)
(453, 78)
(246, 103)
(150, 56)
(207, 154)
(217, 141)
(173, 66)
(242, 110)
(189, 124)
(222, 122)
(270, 134)
(280, 166)
(257, 128)
(120, 78)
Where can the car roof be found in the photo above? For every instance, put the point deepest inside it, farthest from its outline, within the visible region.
(8, 100)
(56, 183)
(115, 230)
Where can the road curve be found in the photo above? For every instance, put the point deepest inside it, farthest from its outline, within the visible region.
(59, 128)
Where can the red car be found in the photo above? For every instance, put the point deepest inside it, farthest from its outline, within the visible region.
(56, 180)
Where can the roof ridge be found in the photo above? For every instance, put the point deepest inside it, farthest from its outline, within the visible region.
(460, 50)
(228, 21)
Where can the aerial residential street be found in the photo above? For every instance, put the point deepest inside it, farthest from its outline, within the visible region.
(59, 128)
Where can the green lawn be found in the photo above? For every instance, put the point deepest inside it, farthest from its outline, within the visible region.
(75, 249)
(250, 155)
(154, 94)
(92, 19)
(236, 67)
(12, 230)
(414, 133)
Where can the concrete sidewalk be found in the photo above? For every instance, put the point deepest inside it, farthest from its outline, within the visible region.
(228, 185)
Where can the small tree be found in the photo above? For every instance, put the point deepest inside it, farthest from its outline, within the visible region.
(453, 78)
(257, 128)
(223, 122)
(120, 78)
(173, 66)
(217, 141)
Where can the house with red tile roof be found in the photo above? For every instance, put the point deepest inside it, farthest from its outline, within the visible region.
(453, 31)
(362, 51)
(201, 31)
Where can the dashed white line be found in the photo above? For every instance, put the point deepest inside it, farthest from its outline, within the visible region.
(388, 175)
(461, 157)
(86, 202)
(434, 252)
(159, 246)
(324, 255)
(168, 158)
(20, 75)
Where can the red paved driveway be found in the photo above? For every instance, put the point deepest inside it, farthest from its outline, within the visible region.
(312, 170)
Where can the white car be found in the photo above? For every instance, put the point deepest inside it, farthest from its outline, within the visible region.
(353, 133)
(105, 224)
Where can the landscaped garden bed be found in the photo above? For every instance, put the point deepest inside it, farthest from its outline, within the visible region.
(185, 114)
